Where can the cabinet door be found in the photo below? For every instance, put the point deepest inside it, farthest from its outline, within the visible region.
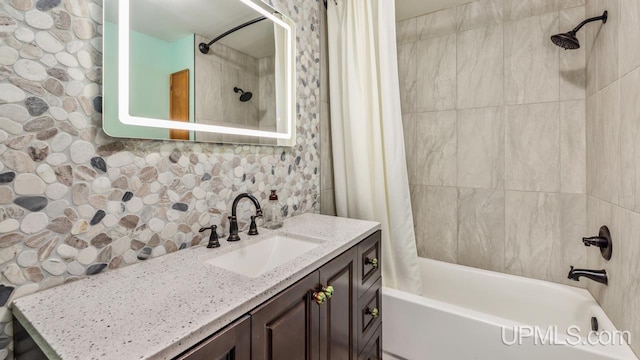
(232, 343)
(286, 327)
(338, 314)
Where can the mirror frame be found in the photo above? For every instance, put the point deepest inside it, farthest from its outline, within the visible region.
(283, 139)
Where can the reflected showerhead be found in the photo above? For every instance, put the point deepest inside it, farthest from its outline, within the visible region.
(246, 96)
(569, 41)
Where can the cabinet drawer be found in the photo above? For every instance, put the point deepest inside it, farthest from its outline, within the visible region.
(368, 319)
(369, 262)
(373, 349)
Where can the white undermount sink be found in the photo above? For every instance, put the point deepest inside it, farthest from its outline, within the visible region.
(256, 259)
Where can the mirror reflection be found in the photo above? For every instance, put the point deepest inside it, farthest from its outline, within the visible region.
(209, 62)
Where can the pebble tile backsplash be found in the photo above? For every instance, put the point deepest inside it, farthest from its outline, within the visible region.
(75, 202)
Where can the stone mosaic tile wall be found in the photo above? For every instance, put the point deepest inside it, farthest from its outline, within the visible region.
(74, 202)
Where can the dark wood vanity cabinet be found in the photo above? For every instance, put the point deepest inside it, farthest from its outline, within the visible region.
(345, 326)
(294, 326)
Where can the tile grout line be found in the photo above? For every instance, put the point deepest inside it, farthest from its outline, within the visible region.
(504, 137)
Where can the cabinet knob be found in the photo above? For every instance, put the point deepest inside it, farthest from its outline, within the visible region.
(325, 293)
(373, 262)
(319, 297)
(373, 312)
(328, 291)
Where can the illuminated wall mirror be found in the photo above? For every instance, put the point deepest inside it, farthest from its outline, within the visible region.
(199, 70)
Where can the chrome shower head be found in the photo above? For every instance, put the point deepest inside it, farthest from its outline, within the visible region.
(569, 41)
(246, 96)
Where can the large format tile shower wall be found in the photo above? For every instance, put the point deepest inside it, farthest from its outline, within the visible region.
(494, 119)
(510, 165)
(74, 202)
(327, 199)
(613, 156)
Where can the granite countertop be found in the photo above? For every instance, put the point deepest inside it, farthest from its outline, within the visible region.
(159, 308)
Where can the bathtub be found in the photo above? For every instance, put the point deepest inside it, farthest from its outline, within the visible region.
(472, 314)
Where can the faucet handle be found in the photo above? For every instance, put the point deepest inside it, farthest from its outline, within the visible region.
(213, 238)
(595, 241)
(253, 228)
(602, 241)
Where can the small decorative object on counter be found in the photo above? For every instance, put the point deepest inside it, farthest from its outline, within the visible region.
(273, 218)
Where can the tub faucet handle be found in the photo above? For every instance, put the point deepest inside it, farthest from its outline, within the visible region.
(595, 241)
(602, 241)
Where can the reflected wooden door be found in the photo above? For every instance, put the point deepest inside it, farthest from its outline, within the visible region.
(179, 102)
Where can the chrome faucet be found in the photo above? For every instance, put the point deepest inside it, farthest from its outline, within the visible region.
(233, 220)
(595, 275)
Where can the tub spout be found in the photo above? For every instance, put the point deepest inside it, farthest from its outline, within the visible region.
(595, 275)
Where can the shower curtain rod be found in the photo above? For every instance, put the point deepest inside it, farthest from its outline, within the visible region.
(204, 48)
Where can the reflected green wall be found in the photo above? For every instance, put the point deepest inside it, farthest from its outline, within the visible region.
(152, 61)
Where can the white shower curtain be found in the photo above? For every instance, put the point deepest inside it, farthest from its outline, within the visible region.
(371, 180)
